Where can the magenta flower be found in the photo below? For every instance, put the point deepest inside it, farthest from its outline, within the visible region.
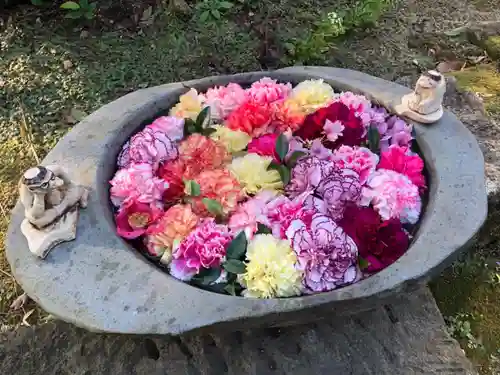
(359, 159)
(392, 195)
(148, 146)
(265, 145)
(307, 174)
(325, 253)
(224, 99)
(172, 126)
(138, 183)
(267, 91)
(204, 247)
(399, 159)
(134, 218)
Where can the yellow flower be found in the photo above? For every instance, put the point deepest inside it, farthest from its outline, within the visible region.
(270, 269)
(234, 140)
(251, 172)
(189, 106)
(310, 95)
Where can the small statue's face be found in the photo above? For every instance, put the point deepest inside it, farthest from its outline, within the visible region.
(426, 82)
(52, 183)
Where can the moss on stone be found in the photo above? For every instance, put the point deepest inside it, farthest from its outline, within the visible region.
(492, 46)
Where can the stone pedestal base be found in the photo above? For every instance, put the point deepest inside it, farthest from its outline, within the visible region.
(404, 110)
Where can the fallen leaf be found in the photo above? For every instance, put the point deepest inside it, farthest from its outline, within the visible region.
(26, 316)
(19, 302)
(476, 59)
(67, 64)
(450, 66)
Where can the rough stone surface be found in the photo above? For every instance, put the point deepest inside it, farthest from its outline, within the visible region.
(100, 283)
(404, 338)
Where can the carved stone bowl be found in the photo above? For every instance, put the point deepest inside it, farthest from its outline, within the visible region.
(101, 283)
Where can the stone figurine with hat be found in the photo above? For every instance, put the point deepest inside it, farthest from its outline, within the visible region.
(51, 201)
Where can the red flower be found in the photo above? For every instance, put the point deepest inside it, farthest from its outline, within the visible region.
(379, 242)
(353, 132)
(172, 173)
(134, 218)
(396, 158)
(264, 145)
(251, 118)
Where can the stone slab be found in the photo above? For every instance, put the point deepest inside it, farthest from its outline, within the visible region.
(100, 283)
(404, 338)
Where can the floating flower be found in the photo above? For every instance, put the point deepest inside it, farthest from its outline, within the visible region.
(137, 183)
(265, 145)
(224, 99)
(251, 118)
(177, 222)
(249, 214)
(338, 113)
(204, 247)
(133, 219)
(325, 253)
(359, 104)
(172, 172)
(189, 106)
(286, 117)
(219, 185)
(333, 130)
(233, 140)
(148, 146)
(270, 269)
(359, 159)
(267, 91)
(399, 159)
(336, 190)
(172, 126)
(320, 151)
(281, 211)
(398, 133)
(392, 195)
(379, 242)
(199, 153)
(307, 174)
(308, 96)
(251, 172)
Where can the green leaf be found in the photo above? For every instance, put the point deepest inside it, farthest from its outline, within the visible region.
(89, 15)
(84, 4)
(282, 170)
(225, 5)
(214, 207)
(70, 5)
(208, 131)
(192, 188)
(202, 119)
(189, 126)
(204, 16)
(292, 160)
(234, 266)
(216, 14)
(273, 165)
(281, 146)
(207, 275)
(76, 14)
(363, 263)
(373, 139)
(238, 246)
(230, 289)
(262, 229)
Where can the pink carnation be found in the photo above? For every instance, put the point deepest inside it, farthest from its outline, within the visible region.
(248, 215)
(148, 146)
(325, 253)
(358, 103)
(398, 133)
(225, 99)
(204, 247)
(265, 145)
(267, 91)
(134, 218)
(392, 195)
(138, 183)
(359, 159)
(307, 174)
(398, 159)
(281, 211)
(172, 126)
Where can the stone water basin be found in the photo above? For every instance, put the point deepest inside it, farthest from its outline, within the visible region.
(101, 283)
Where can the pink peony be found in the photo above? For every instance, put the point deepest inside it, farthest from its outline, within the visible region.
(392, 195)
(134, 218)
(148, 146)
(225, 99)
(281, 211)
(359, 159)
(325, 253)
(204, 247)
(398, 159)
(249, 214)
(307, 174)
(172, 126)
(265, 145)
(138, 183)
(267, 91)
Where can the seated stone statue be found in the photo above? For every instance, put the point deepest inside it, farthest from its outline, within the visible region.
(424, 104)
(51, 201)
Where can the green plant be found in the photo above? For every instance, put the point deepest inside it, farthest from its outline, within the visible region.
(212, 10)
(459, 326)
(80, 9)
